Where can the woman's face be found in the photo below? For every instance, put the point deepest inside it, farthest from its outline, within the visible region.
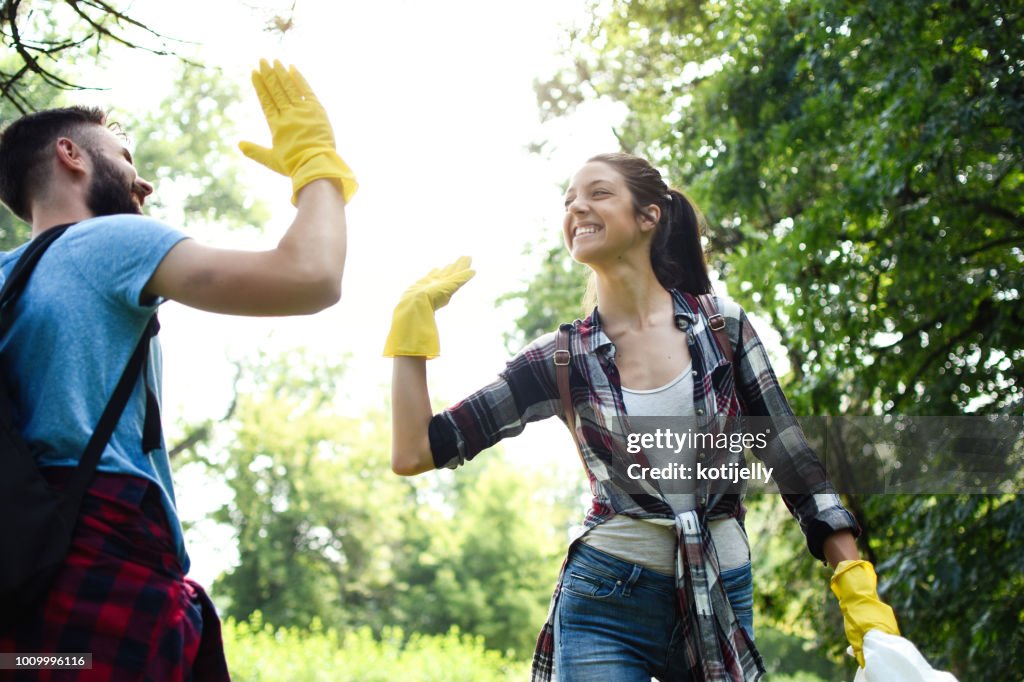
(600, 221)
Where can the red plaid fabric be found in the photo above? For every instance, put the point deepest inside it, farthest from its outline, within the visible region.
(122, 597)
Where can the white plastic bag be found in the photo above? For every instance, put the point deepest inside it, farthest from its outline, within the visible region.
(891, 658)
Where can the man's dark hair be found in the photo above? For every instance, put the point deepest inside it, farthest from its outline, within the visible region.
(24, 145)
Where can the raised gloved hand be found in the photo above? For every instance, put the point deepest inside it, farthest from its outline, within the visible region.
(855, 585)
(413, 330)
(303, 142)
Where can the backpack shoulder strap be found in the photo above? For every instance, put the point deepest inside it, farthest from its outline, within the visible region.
(12, 289)
(563, 357)
(717, 323)
(83, 475)
(15, 283)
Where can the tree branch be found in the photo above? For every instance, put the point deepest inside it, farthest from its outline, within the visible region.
(118, 17)
(97, 26)
(1012, 239)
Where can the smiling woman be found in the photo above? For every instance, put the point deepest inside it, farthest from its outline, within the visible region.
(676, 255)
(658, 582)
(598, 212)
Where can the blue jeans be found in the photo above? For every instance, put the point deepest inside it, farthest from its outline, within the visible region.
(619, 621)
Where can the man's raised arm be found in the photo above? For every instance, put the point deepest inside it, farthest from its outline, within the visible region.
(303, 273)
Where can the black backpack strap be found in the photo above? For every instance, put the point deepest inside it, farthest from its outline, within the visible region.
(80, 480)
(82, 477)
(15, 283)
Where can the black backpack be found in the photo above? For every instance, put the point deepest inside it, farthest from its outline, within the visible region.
(36, 520)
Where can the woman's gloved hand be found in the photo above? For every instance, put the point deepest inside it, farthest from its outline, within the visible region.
(301, 135)
(855, 585)
(413, 330)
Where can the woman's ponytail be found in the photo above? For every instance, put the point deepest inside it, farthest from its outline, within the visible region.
(677, 254)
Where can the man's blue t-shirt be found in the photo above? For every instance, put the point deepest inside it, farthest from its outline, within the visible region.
(75, 326)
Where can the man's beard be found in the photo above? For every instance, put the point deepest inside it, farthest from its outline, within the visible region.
(108, 193)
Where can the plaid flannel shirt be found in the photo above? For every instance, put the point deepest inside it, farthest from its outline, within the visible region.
(121, 596)
(717, 648)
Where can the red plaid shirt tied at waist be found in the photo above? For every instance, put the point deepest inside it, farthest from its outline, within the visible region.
(717, 648)
(121, 596)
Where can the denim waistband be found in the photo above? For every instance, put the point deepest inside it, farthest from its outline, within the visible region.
(620, 569)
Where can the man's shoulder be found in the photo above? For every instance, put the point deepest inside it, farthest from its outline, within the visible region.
(117, 224)
(115, 255)
(9, 258)
(126, 235)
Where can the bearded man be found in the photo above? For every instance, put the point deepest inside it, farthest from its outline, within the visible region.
(122, 594)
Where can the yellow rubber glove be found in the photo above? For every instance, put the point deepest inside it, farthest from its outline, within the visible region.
(856, 587)
(413, 330)
(303, 142)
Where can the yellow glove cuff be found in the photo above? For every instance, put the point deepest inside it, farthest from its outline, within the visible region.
(324, 163)
(413, 330)
(855, 585)
(853, 576)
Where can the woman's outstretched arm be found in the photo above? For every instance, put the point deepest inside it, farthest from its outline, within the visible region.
(412, 340)
(410, 417)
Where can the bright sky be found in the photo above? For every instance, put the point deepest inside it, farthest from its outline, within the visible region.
(432, 105)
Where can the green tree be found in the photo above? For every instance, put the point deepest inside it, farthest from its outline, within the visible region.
(187, 148)
(43, 36)
(327, 533)
(482, 553)
(314, 504)
(860, 165)
(861, 168)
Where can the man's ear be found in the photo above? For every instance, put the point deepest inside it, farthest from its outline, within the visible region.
(70, 155)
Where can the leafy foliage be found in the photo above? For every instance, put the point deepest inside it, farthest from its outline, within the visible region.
(552, 296)
(44, 34)
(861, 168)
(325, 531)
(487, 559)
(952, 571)
(186, 148)
(258, 651)
(313, 507)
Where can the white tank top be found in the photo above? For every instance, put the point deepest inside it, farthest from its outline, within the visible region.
(652, 544)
